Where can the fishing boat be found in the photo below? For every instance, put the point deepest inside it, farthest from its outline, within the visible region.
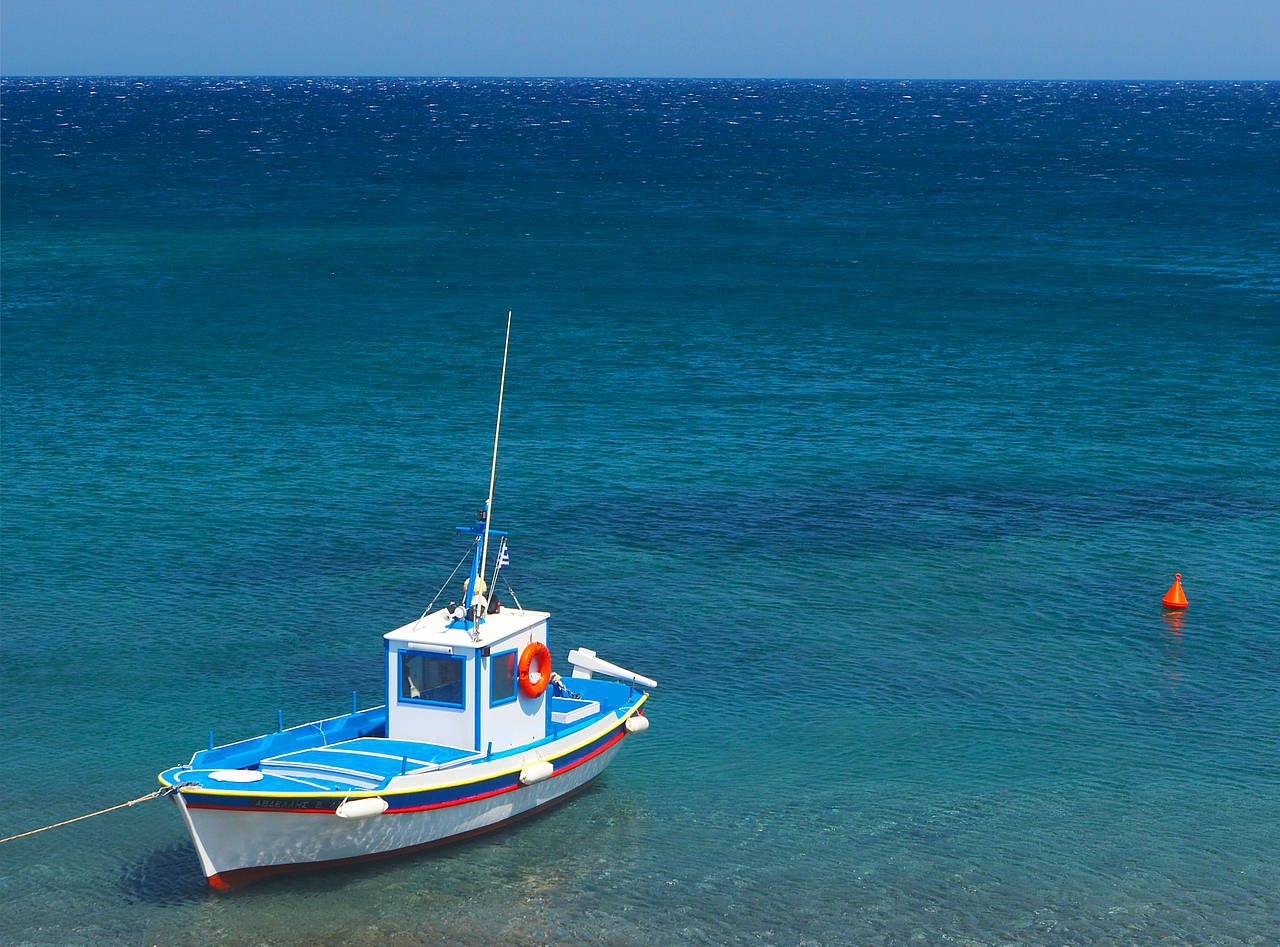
(476, 731)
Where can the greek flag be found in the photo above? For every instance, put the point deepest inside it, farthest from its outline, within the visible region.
(503, 558)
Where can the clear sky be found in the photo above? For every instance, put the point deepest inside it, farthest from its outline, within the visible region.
(1074, 39)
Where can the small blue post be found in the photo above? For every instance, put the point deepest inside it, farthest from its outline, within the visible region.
(404, 762)
(353, 703)
(211, 739)
(279, 720)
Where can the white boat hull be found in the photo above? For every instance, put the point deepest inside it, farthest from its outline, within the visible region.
(236, 846)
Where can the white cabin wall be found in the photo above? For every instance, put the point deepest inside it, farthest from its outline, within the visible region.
(524, 720)
(503, 727)
(450, 726)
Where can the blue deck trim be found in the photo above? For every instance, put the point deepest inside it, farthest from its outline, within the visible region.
(263, 796)
(349, 753)
(246, 753)
(327, 787)
(478, 709)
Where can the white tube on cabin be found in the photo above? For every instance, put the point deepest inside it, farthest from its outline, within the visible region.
(585, 662)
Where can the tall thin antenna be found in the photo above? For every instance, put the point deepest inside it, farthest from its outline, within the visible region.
(493, 469)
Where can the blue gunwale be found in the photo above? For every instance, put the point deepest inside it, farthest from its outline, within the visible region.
(365, 763)
(403, 800)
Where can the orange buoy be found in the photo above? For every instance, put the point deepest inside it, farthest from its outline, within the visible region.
(1175, 598)
(533, 683)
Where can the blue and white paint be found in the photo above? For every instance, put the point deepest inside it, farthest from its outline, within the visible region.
(476, 731)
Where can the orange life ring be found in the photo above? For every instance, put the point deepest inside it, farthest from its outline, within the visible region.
(531, 685)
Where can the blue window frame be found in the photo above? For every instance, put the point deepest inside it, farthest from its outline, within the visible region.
(432, 678)
(502, 678)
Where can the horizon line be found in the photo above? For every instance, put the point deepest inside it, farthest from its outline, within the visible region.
(622, 78)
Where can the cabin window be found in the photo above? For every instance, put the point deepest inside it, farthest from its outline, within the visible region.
(502, 678)
(431, 678)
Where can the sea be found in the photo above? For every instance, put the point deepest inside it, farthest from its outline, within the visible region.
(872, 419)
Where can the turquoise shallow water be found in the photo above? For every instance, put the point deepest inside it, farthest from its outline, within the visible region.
(871, 419)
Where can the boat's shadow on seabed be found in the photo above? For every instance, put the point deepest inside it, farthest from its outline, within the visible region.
(169, 875)
(172, 875)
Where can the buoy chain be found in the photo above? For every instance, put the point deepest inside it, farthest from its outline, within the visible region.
(132, 802)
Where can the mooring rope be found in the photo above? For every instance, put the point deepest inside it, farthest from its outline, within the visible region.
(131, 802)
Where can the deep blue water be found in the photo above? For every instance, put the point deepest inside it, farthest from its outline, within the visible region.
(871, 419)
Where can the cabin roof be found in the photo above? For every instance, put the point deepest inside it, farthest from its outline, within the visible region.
(436, 628)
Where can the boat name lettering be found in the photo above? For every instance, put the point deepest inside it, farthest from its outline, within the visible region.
(292, 803)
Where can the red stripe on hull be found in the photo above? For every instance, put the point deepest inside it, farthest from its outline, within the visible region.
(496, 792)
(230, 880)
(435, 805)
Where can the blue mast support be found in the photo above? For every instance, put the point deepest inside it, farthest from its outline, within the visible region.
(477, 571)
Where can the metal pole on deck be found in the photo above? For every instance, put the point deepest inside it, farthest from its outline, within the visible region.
(493, 468)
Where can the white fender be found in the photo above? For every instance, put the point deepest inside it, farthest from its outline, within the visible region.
(585, 663)
(536, 772)
(362, 808)
(637, 724)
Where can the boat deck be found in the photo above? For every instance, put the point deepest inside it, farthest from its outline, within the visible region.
(360, 759)
(363, 763)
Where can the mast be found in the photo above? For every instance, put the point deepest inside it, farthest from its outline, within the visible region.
(479, 598)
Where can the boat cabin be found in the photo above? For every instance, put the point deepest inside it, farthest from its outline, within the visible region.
(455, 682)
